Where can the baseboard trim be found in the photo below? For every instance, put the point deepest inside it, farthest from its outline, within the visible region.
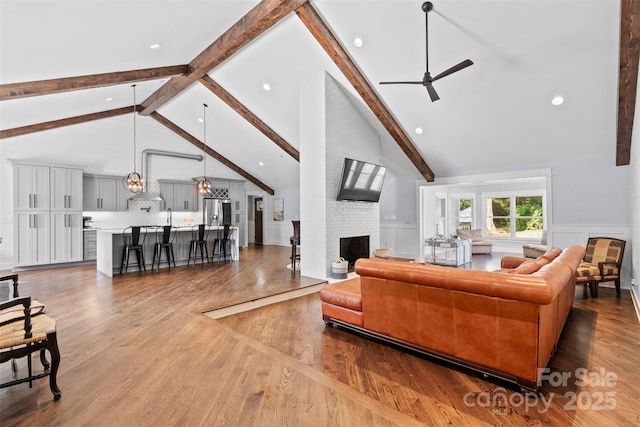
(636, 303)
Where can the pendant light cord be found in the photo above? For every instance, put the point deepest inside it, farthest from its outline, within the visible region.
(204, 140)
(134, 128)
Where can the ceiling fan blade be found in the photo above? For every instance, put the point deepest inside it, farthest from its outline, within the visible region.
(432, 92)
(458, 67)
(401, 83)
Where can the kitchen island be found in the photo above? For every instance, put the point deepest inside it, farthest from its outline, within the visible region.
(110, 243)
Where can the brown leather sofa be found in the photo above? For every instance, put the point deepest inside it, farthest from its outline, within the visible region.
(504, 323)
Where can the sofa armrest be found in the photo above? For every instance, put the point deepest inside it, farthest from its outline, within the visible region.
(510, 261)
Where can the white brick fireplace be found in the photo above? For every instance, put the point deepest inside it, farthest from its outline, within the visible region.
(331, 128)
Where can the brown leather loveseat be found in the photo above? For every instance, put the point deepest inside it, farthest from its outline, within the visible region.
(504, 323)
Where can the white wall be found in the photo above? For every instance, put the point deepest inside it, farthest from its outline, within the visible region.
(634, 202)
(327, 137)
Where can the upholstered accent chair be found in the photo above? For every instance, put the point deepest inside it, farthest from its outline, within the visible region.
(534, 250)
(478, 246)
(602, 263)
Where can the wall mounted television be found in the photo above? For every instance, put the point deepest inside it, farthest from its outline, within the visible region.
(361, 181)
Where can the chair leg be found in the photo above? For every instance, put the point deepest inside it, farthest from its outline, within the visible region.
(52, 346)
(43, 359)
(124, 255)
(173, 257)
(30, 367)
(593, 287)
(126, 265)
(617, 283)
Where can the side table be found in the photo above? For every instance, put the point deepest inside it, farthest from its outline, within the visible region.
(452, 252)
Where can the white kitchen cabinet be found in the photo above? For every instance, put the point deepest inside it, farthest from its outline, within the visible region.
(31, 187)
(66, 189)
(66, 237)
(99, 193)
(31, 238)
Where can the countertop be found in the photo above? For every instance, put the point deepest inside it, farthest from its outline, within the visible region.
(158, 228)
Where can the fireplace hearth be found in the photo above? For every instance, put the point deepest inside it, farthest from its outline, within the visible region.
(353, 248)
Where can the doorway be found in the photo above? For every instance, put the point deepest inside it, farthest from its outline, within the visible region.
(258, 208)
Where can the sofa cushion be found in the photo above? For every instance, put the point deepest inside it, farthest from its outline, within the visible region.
(476, 235)
(463, 234)
(551, 254)
(17, 312)
(344, 294)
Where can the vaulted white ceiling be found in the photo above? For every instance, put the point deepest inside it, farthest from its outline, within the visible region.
(493, 116)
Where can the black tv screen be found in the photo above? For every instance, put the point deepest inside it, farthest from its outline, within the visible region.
(361, 181)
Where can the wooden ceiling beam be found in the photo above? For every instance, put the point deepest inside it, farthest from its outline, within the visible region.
(219, 157)
(8, 133)
(334, 49)
(254, 120)
(68, 84)
(628, 78)
(259, 19)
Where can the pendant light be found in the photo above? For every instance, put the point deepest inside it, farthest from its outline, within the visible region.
(134, 182)
(204, 185)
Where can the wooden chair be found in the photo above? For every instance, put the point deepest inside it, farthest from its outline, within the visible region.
(25, 329)
(602, 263)
(295, 242)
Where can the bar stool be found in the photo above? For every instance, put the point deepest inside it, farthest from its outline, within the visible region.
(198, 241)
(295, 243)
(221, 242)
(133, 241)
(164, 241)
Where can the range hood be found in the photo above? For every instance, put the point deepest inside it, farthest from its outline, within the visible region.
(146, 196)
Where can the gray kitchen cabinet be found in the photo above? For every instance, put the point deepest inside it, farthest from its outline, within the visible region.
(31, 187)
(99, 193)
(179, 196)
(238, 196)
(89, 245)
(66, 237)
(47, 214)
(31, 238)
(66, 189)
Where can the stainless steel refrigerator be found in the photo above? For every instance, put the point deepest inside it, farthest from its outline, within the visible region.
(216, 211)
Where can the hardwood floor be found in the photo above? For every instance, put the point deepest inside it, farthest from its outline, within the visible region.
(136, 350)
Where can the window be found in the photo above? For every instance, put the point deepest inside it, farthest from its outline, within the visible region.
(462, 214)
(515, 216)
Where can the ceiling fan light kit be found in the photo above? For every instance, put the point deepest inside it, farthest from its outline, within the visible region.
(427, 80)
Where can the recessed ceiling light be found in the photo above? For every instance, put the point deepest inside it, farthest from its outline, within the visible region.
(109, 99)
(266, 87)
(154, 46)
(419, 131)
(557, 100)
(261, 164)
(200, 120)
(358, 42)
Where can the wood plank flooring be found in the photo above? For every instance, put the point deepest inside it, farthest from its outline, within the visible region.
(137, 351)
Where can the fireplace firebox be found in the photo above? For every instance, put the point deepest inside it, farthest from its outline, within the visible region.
(353, 248)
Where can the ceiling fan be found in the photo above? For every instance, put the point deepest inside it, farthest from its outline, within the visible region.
(427, 79)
